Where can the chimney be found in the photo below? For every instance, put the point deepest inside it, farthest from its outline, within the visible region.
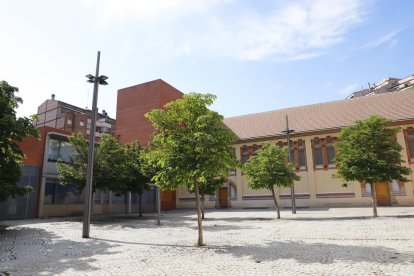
(53, 97)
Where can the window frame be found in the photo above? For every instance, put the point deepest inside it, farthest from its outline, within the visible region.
(295, 147)
(248, 151)
(324, 144)
(60, 142)
(408, 139)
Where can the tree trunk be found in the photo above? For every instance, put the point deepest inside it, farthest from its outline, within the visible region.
(199, 221)
(158, 206)
(374, 200)
(202, 206)
(140, 204)
(275, 200)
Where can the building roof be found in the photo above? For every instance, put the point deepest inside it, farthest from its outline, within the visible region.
(398, 106)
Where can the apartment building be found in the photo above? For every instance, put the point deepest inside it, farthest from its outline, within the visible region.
(385, 86)
(64, 116)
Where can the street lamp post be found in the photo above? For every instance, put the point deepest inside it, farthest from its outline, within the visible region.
(96, 80)
(292, 188)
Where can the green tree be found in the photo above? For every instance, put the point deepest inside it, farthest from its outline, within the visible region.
(12, 130)
(108, 164)
(133, 178)
(369, 153)
(191, 144)
(268, 168)
(208, 187)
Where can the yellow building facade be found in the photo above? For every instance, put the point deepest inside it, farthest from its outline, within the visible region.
(316, 129)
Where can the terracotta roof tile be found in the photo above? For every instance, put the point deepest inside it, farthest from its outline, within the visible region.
(323, 116)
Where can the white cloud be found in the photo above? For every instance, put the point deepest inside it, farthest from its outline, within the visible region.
(305, 56)
(297, 28)
(389, 39)
(285, 31)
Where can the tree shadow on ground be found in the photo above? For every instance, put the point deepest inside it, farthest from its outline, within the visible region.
(323, 253)
(146, 243)
(239, 219)
(224, 227)
(35, 251)
(177, 222)
(148, 223)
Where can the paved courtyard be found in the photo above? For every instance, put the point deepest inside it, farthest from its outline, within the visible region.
(330, 241)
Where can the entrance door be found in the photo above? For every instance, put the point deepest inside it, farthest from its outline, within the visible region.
(223, 197)
(383, 194)
(168, 200)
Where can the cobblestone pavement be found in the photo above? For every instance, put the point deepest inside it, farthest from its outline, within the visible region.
(331, 241)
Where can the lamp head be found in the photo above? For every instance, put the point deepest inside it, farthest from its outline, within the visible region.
(102, 80)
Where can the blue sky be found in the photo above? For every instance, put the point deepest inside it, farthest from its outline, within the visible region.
(254, 55)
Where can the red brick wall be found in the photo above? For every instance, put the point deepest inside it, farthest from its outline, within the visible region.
(132, 104)
(34, 148)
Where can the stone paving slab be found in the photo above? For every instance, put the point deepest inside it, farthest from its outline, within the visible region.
(326, 241)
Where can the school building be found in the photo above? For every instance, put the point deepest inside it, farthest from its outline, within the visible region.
(316, 127)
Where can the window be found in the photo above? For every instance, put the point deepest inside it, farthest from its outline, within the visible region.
(81, 123)
(301, 155)
(247, 151)
(368, 188)
(233, 170)
(69, 121)
(118, 199)
(60, 150)
(97, 199)
(106, 196)
(409, 140)
(395, 186)
(56, 193)
(398, 188)
(297, 153)
(317, 154)
(324, 152)
(330, 152)
(148, 197)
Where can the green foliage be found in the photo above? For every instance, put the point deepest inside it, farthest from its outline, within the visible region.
(191, 145)
(209, 186)
(370, 153)
(109, 164)
(75, 172)
(268, 168)
(12, 130)
(133, 178)
(117, 168)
